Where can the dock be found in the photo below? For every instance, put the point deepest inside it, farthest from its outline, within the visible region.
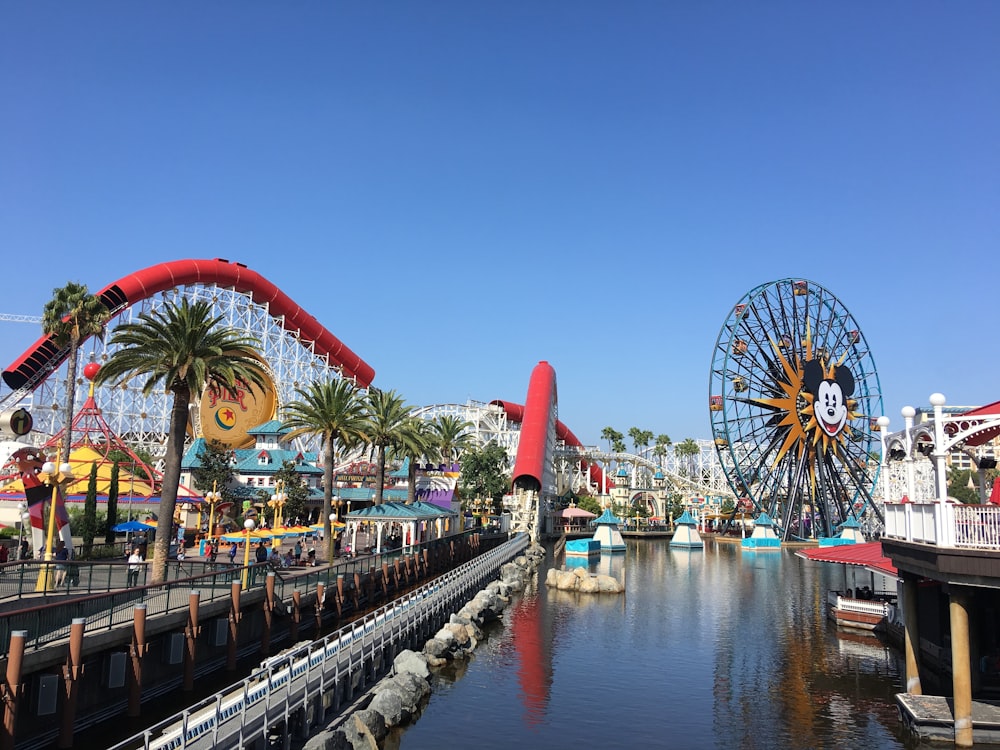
(932, 717)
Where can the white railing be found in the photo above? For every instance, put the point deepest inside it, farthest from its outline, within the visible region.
(944, 524)
(865, 606)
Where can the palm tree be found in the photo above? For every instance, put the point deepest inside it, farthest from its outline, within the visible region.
(70, 317)
(686, 449)
(385, 415)
(417, 438)
(662, 443)
(612, 436)
(332, 410)
(453, 436)
(185, 349)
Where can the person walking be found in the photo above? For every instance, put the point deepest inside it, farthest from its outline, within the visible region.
(261, 557)
(232, 552)
(298, 553)
(134, 566)
(62, 558)
(213, 550)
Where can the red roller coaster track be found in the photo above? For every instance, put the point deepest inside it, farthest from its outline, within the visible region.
(45, 356)
(533, 418)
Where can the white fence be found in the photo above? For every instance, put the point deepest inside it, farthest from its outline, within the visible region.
(944, 524)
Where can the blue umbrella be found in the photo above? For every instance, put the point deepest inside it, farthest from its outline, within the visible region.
(132, 526)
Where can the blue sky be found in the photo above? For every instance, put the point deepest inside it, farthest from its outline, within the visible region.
(459, 190)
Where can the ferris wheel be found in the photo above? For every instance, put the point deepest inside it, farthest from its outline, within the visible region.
(794, 399)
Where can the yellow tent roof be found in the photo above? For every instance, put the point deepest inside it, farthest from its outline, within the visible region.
(81, 459)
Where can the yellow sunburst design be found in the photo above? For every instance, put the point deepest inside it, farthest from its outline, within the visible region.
(804, 437)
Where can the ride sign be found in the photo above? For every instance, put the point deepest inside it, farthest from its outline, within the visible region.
(18, 421)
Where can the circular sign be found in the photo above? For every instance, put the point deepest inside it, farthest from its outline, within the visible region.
(227, 416)
(20, 422)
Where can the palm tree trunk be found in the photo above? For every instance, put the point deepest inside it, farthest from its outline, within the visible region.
(411, 482)
(380, 475)
(328, 491)
(171, 479)
(67, 442)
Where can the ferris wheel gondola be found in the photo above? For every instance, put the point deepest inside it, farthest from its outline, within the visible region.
(794, 397)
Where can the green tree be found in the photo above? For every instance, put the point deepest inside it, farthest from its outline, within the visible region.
(453, 436)
(640, 438)
(111, 518)
(333, 411)
(70, 317)
(88, 525)
(590, 504)
(418, 438)
(295, 490)
(386, 414)
(662, 445)
(484, 474)
(185, 349)
(687, 450)
(616, 441)
(215, 470)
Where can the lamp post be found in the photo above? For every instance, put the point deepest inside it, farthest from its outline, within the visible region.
(212, 498)
(56, 477)
(248, 525)
(277, 502)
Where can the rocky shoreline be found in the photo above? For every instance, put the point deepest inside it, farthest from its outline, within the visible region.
(399, 698)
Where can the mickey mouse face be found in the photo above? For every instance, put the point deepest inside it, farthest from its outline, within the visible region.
(830, 407)
(829, 396)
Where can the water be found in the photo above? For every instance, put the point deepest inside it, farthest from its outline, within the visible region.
(720, 648)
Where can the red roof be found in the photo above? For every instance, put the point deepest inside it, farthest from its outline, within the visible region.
(868, 555)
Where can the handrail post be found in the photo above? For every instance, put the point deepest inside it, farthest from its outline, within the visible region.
(12, 687)
(234, 624)
(137, 652)
(265, 641)
(191, 633)
(72, 670)
(296, 615)
(320, 600)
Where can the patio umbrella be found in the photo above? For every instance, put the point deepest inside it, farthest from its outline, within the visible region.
(129, 526)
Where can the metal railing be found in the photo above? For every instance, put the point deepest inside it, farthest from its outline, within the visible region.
(20, 580)
(360, 651)
(945, 524)
(50, 620)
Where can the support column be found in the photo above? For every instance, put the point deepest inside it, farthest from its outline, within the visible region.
(191, 632)
(234, 625)
(265, 640)
(340, 596)
(296, 615)
(911, 636)
(320, 600)
(72, 671)
(12, 687)
(137, 651)
(961, 666)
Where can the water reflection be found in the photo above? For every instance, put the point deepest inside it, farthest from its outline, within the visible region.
(709, 648)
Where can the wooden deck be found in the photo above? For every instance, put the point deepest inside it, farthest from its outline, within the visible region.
(931, 717)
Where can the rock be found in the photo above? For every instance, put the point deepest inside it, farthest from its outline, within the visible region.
(412, 662)
(389, 703)
(435, 648)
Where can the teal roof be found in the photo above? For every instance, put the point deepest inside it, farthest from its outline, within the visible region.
(397, 510)
(606, 517)
(850, 523)
(274, 427)
(763, 520)
(686, 519)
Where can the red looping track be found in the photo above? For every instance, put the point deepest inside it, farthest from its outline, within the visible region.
(44, 355)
